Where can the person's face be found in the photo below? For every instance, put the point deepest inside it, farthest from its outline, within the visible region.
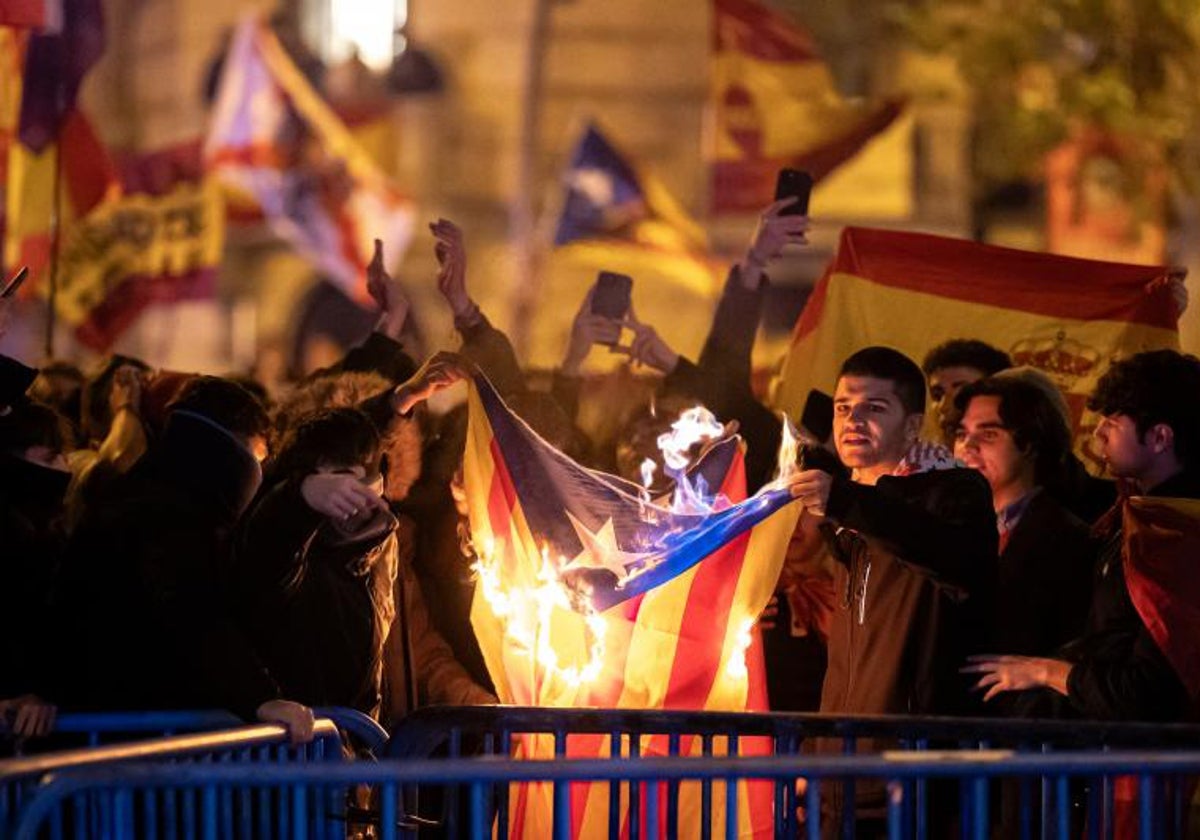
(1125, 453)
(944, 385)
(982, 442)
(870, 425)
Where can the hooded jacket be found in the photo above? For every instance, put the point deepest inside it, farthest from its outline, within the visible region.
(145, 623)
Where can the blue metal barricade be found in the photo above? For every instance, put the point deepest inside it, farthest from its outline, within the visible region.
(244, 744)
(491, 730)
(129, 800)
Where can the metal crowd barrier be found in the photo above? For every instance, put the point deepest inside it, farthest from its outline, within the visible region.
(243, 745)
(129, 799)
(493, 730)
(94, 728)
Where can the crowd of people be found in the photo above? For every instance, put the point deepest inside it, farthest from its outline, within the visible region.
(186, 541)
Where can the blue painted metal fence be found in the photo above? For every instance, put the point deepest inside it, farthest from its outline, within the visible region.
(257, 745)
(128, 800)
(491, 730)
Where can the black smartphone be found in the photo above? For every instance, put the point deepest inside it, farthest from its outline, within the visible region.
(10, 288)
(794, 183)
(817, 416)
(611, 297)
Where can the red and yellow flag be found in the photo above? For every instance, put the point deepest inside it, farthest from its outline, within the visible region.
(685, 640)
(776, 105)
(1064, 316)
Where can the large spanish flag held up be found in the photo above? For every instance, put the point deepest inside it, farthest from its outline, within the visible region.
(775, 105)
(1065, 316)
(277, 146)
(592, 595)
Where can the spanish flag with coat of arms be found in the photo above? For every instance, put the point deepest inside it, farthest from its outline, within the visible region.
(1064, 316)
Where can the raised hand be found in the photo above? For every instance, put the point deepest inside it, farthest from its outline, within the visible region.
(773, 232)
(451, 253)
(587, 329)
(647, 347)
(440, 371)
(388, 295)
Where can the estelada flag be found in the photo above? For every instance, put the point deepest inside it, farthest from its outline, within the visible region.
(615, 214)
(1065, 316)
(158, 241)
(775, 105)
(275, 143)
(46, 143)
(557, 628)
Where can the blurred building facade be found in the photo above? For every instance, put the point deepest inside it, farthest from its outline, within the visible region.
(639, 66)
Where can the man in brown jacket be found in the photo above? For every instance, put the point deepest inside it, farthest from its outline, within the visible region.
(914, 539)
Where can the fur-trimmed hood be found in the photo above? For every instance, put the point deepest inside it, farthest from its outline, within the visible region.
(401, 443)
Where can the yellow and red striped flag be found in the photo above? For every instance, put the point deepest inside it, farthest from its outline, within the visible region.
(560, 625)
(775, 105)
(1065, 316)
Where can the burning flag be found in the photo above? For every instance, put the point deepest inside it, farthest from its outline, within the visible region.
(593, 594)
(276, 144)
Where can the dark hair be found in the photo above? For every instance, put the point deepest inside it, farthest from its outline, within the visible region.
(966, 352)
(31, 424)
(338, 436)
(1034, 421)
(95, 415)
(886, 363)
(1160, 386)
(226, 403)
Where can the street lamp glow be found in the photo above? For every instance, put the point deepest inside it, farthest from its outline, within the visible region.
(367, 26)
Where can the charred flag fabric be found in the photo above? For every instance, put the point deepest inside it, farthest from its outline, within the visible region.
(274, 143)
(776, 105)
(591, 594)
(1064, 316)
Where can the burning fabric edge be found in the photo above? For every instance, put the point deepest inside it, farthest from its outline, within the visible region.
(527, 500)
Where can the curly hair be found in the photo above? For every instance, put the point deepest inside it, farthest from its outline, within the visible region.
(966, 352)
(1159, 386)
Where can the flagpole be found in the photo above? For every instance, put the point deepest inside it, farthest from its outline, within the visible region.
(522, 223)
(55, 229)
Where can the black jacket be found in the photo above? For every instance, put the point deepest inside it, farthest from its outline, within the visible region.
(31, 544)
(1119, 671)
(144, 623)
(1044, 583)
(316, 604)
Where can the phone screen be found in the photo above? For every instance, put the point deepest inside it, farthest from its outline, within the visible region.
(612, 295)
(794, 183)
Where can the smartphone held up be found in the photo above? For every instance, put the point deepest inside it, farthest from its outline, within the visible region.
(796, 184)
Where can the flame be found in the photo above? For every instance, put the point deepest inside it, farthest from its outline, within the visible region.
(527, 611)
(735, 666)
(648, 468)
(789, 448)
(696, 425)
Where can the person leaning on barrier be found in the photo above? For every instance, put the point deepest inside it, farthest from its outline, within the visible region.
(1136, 659)
(142, 622)
(33, 484)
(914, 538)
